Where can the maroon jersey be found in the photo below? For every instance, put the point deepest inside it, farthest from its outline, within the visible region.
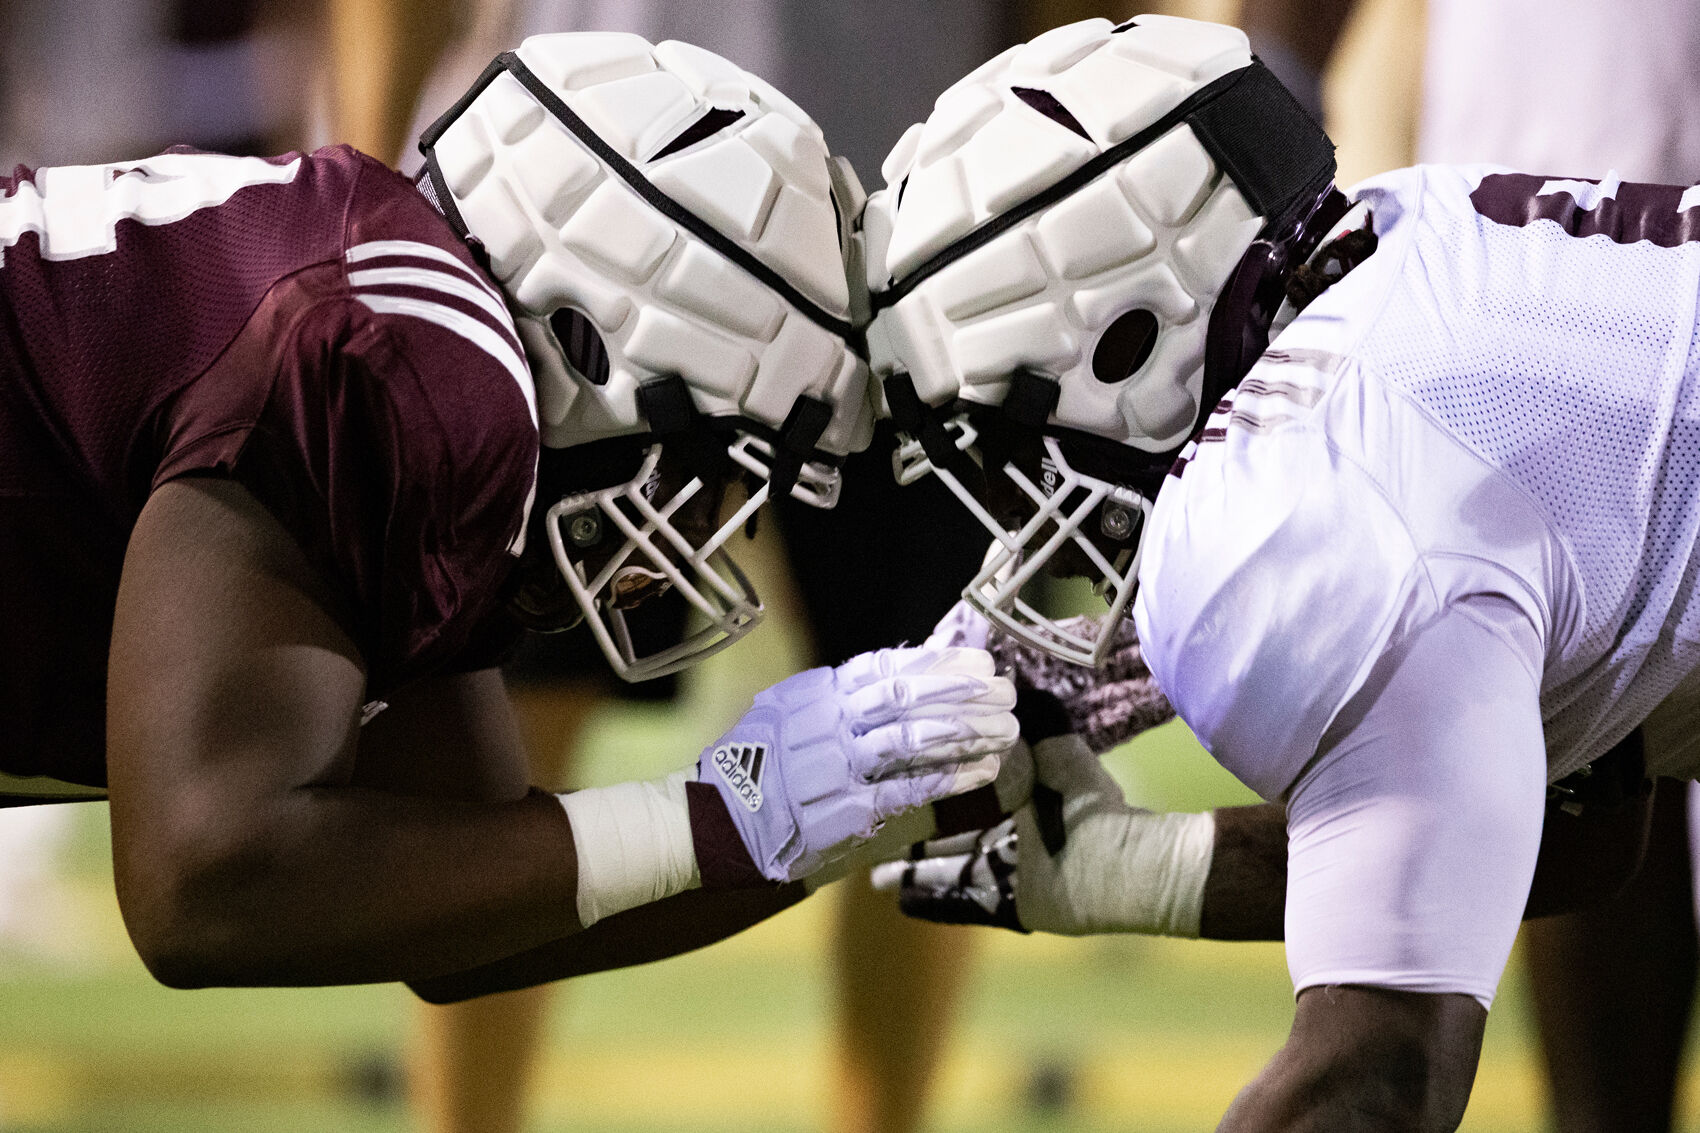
(306, 325)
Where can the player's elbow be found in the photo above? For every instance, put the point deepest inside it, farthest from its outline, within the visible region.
(189, 904)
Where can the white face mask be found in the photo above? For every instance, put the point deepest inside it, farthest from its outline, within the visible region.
(621, 545)
(1057, 510)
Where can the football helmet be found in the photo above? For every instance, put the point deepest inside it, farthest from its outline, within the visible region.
(670, 232)
(1073, 258)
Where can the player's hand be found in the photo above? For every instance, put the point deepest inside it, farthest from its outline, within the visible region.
(825, 757)
(1076, 859)
(1106, 706)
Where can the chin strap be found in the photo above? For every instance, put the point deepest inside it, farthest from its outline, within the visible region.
(798, 437)
(912, 416)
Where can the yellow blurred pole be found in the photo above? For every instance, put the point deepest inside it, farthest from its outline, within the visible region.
(1373, 86)
(381, 53)
(897, 984)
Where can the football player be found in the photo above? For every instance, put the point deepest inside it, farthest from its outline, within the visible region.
(272, 499)
(1406, 570)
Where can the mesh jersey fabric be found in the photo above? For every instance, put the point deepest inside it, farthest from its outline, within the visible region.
(307, 325)
(1500, 401)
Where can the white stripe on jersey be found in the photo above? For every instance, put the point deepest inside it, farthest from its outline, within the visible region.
(486, 339)
(1586, 194)
(1690, 199)
(433, 280)
(474, 330)
(465, 284)
(481, 294)
(372, 249)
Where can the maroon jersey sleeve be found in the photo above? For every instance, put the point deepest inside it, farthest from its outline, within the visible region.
(307, 324)
(396, 437)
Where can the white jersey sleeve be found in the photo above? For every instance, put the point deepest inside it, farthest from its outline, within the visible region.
(1504, 400)
(1256, 638)
(1412, 837)
(1287, 553)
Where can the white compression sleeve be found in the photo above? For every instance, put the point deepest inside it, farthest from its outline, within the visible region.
(634, 844)
(1412, 837)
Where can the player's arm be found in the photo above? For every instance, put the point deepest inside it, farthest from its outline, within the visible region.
(641, 935)
(259, 839)
(1076, 858)
(245, 851)
(1412, 839)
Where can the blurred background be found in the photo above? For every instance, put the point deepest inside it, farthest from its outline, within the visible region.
(802, 1023)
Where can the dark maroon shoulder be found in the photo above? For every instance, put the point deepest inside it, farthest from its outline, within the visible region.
(306, 323)
(398, 439)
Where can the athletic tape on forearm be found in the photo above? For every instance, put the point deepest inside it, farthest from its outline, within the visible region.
(634, 844)
(1130, 871)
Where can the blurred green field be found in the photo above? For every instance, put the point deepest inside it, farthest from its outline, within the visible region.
(1054, 1035)
(1140, 1034)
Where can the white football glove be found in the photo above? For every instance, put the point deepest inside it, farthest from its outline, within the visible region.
(1075, 860)
(824, 758)
(812, 771)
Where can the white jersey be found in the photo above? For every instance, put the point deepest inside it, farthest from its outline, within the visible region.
(1502, 402)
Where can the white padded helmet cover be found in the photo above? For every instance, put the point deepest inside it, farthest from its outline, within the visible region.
(564, 229)
(1160, 231)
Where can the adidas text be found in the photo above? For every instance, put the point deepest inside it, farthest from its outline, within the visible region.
(741, 765)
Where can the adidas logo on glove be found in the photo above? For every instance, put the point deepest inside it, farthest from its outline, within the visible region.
(740, 765)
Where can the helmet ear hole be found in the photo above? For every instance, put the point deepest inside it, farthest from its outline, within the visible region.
(1125, 346)
(581, 344)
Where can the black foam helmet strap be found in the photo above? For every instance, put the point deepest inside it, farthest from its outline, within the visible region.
(910, 414)
(674, 420)
(666, 404)
(798, 437)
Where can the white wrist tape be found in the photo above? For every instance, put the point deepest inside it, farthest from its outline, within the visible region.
(634, 844)
(1122, 871)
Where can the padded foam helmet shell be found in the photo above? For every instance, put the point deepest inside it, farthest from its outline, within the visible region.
(678, 207)
(1073, 258)
(1074, 208)
(671, 235)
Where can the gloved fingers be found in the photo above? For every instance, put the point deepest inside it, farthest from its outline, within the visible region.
(972, 887)
(959, 906)
(910, 746)
(899, 793)
(925, 694)
(883, 664)
(997, 837)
